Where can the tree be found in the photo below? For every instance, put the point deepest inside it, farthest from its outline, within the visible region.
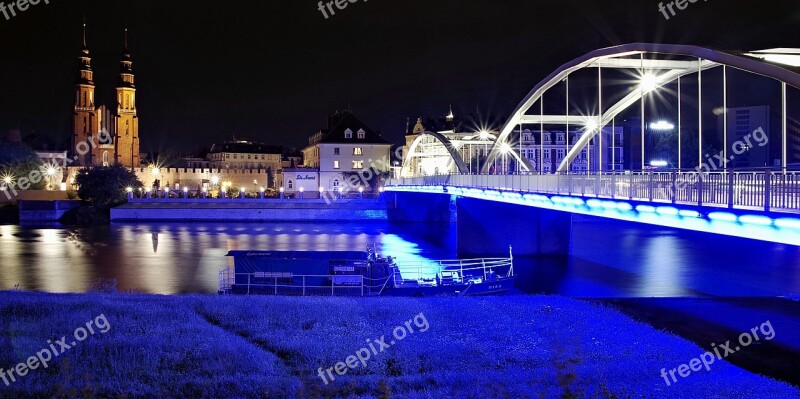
(105, 186)
(19, 161)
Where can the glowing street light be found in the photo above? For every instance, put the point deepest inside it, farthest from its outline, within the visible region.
(129, 190)
(505, 148)
(592, 125)
(361, 189)
(659, 163)
(215, 180)
(155, 171)
(662, 126)
(321, 190)
(8, 179)
(649, 82)
(484, 135)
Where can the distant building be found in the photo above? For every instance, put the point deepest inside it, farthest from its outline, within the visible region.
(742, 122)
(121, 144)
(238, 154)
(347, 146)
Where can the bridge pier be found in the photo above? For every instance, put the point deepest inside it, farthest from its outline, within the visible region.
(486, 228)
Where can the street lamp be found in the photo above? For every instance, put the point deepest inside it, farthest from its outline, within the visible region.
(51, 171)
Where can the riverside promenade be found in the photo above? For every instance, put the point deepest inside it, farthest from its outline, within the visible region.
(251, 210)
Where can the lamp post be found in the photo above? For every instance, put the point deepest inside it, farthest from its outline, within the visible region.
(302, 192)
(361, 193)
(283, 192)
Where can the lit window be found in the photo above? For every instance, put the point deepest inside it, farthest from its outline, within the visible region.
(358, 151)
(336, 164)
(358, 164)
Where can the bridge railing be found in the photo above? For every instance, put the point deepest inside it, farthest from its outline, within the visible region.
(757, 190)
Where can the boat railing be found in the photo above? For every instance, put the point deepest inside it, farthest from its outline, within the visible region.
(300, 285)
(466, 268)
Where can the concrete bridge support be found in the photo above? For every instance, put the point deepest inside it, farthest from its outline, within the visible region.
(487, 228)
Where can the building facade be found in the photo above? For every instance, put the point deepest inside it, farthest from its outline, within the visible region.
(103, 136)
(345, 149)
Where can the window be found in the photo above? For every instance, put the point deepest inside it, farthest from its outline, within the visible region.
(105, 158)
(358, 164)
(235, 156)
(361, 134)
(227, 156)
(336, 151)
(336, 164)
(249, 156)
(358, 151)
(291, 185)
(348, 134)
(560, 154)
(335, 185)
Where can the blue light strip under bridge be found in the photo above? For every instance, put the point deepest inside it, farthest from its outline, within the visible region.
(772, 228)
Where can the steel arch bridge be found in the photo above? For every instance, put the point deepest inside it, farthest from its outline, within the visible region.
(461, 166)
(661, 67)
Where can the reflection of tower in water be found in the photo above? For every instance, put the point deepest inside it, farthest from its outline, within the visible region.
(155, 242)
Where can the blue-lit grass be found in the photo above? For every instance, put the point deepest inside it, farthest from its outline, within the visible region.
(208, 346)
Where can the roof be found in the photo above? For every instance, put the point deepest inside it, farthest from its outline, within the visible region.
(316, 255)
(245, 147)
(341, 122)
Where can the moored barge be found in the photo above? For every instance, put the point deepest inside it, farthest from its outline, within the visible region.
(357, 273)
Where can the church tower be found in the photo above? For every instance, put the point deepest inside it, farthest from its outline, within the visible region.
(126, 119)
(85, 115)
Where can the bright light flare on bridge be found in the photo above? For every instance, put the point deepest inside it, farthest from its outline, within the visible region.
(505, 148)
(591, 125)
(662, 126)
(659, 163)
(649, 82)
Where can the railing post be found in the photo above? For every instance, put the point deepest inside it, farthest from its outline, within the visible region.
(730, 189)
(673, 190)
(630, 186)
(332, 286)
(614, 185)
(248, 283)
(699, 188)
(304, 285)
(276, 285)
(767, 190)
(362, 285)
(650, 185)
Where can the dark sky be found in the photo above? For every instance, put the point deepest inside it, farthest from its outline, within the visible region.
(272, 70)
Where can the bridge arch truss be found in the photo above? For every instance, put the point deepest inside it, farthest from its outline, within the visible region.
(665, 64)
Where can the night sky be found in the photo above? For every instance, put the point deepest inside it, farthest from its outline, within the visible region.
(272, 71)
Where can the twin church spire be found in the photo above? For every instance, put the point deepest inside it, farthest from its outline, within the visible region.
(121, 123)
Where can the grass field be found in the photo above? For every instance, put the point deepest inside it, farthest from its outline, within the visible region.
(250, 347)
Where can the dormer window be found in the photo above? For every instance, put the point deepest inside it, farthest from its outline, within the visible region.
(348, 134)
(361, 134)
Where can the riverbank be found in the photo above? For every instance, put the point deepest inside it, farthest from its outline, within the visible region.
(238, 210)
(210, 346)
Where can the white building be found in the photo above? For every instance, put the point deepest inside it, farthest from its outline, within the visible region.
(427, 155)
(346, 155)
